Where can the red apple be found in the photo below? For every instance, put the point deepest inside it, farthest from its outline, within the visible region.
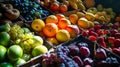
(73, 30)
(100, 54)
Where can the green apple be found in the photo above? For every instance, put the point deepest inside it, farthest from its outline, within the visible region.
(37, 41)
(4, 38)
(26, 30)
(5, 28)
(3, 51)
(14, 52)
(39, 50)
(19, 62)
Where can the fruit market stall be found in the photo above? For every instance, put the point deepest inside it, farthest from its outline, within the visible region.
(59, 33)
(78, 52)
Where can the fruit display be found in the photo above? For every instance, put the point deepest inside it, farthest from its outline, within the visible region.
(98, 24)
(61, 6)
(18, 45)
(30, 10)
(77, 53)
(55, 28)
(59, 33)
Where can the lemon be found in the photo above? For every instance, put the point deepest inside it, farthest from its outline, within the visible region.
(62, 35)
(37, 24)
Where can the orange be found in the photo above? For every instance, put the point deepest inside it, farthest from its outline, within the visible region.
(54, 6)
(51, 19)
(63, 8)
(73, 18)
(50, 29)
(60, 16)
(83, 23)
(63, 23)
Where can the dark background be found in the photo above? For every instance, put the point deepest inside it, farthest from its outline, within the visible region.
(115, 4)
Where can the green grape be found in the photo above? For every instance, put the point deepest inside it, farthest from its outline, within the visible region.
(30, 41)
(17, 41)
(26, 47)
(28, 35)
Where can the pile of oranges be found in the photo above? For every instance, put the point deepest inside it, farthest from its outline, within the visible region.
(56, 28)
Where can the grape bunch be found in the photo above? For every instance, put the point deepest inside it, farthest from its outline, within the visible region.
(16, 32)
(59, 58)
(30, 10)
(19, 37)
(113, 60)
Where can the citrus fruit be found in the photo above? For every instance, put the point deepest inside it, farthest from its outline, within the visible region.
(73, 18)
(51, 19)
(50, 29)
(3, 51)
(60, 16)
(62, 35)
(4, 38)
(63, 8)
(63, 23)
(39, 50)
(37, 24)
(14, 52)
(19, 61)
(6, 64)
(53, 41)
(54, 6)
